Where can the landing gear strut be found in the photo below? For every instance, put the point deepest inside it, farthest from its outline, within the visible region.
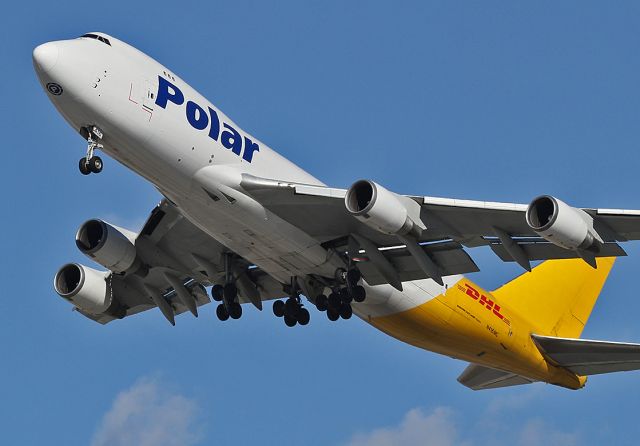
(91, 163)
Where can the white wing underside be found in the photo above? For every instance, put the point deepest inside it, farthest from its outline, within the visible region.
(168, 241)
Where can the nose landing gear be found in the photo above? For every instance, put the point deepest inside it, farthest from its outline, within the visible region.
(91, 163)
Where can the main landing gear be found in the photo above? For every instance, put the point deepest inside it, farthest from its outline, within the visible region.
(227, 295)
(338, 303)
(91, 163)
(292, 310)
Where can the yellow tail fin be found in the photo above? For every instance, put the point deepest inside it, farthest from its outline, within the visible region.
(557, 296)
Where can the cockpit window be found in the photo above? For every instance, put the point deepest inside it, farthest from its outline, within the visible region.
(97, 37)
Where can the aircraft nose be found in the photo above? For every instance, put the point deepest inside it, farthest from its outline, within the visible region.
(45, 56)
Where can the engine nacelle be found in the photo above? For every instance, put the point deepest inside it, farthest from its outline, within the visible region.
(85, 287)
(110, 246)
(563, 225)
(382, 209)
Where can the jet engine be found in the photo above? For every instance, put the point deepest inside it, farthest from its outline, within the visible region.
(382, 209)
(110, 246)
(561, 224)
(85, 287)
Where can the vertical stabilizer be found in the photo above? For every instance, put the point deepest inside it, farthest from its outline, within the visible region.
(557, 296)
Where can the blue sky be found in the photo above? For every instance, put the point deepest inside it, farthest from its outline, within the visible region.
(492, 100)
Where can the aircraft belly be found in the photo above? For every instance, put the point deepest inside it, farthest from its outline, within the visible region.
(246, 228)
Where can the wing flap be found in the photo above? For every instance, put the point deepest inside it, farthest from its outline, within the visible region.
(589, 357)
(624, 224)
(478, 377)
(449, 256)
(542, 250)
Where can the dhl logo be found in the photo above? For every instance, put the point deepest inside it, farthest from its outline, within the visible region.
(485, 302)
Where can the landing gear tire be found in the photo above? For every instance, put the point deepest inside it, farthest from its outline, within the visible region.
(345, 311)
(345, 296)
(290, 321)
(217, 293)
(95, 164)
(322, 303)
(334, 302)
(235, 310)
(358, 293)
(333, 315)
(303, 316)
(291, 307)
(222, 312)
(278, 308)
(83, 166)
(353, 276)
(230, 292)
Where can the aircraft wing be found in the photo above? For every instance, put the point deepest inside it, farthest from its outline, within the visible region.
(321, 212)
(478, 377)
(587, 357)
(172, 248)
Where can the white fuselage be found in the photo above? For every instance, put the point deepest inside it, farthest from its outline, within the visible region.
(157, 125)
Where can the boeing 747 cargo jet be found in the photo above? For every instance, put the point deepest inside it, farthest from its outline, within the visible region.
(238, 217)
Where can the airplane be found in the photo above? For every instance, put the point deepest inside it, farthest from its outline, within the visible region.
(240, 218)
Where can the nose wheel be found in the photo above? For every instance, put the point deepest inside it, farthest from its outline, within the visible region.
(91, 163)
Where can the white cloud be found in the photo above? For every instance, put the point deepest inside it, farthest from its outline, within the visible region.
(537, 432)
(148, 415)
(439, 428)
(514, 400)
(417, 428)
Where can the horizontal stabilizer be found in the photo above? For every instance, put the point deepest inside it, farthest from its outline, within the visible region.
(586, 357)
(478, 377)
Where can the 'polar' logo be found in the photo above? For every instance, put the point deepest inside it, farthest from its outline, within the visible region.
(54, 88)
(199, 119)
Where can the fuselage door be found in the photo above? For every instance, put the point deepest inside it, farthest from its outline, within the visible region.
(149, 99)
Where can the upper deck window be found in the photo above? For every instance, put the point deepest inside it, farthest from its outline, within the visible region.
(97, 37)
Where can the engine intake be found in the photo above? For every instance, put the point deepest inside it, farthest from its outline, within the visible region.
(110, 246)
(85, 287)
(561, 224)
(383, 210)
